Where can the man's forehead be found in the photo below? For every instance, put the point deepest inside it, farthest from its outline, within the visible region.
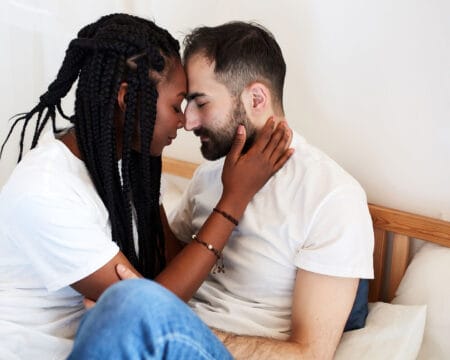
(200, 58)
(198, 67)
(202, 80)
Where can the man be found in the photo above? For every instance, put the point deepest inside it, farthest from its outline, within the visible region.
(293, 263)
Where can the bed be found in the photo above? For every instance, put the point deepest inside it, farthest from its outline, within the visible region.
(409, 316)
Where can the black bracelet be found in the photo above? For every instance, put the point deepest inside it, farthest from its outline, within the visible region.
(226, 216)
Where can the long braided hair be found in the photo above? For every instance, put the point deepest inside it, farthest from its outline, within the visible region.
(100, 59)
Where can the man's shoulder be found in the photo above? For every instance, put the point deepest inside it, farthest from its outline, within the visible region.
(208, 170)
(316, 166)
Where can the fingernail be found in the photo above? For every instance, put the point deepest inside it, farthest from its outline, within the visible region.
(240, 129)
(121, 268)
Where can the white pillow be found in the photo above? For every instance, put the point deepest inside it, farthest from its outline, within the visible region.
(427, 281)
(391, 332)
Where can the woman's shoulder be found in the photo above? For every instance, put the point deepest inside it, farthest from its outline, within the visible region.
(49, 168)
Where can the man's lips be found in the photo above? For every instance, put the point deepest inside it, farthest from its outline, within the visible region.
(202, 135)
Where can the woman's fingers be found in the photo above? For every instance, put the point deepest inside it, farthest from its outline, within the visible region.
(264, 136)
(281, 140)
(282, 160)
(124, 273)
(278, 138)
(237, 146)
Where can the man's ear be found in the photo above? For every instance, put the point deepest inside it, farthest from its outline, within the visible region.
(256, 98)
(121, 96)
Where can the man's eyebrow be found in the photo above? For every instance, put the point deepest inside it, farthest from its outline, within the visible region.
(192, 96)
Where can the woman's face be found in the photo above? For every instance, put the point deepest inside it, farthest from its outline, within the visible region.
(169, 115)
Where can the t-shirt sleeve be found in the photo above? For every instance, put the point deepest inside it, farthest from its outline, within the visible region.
(64, 239)
(339, 239)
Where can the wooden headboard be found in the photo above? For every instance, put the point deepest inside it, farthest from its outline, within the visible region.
(393, 229)
(401, 227)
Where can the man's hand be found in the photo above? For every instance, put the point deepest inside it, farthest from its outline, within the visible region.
(88, 303)
(221, 335)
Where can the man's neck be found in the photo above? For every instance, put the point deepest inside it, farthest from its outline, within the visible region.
(262, 119)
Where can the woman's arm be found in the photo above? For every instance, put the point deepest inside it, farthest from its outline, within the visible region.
(189, 265)
(92, 286)
(186, 272)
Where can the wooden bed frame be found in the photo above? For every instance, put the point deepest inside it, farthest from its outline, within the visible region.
(393, 229)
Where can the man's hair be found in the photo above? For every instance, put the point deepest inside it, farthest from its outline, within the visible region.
(116, 48)
(243, 53)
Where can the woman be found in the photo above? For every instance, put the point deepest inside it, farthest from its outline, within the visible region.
(80, 203)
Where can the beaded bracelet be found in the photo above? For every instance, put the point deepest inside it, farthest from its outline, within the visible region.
(219, 267)
(226, 216)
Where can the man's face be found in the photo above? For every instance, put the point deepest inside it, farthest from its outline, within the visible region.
(212, 112)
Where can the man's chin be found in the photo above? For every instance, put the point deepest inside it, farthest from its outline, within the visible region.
(212, 154)
(208, 155)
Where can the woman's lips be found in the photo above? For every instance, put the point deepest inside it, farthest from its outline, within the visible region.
(170, 139)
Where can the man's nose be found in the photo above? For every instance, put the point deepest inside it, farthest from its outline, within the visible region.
(192, 118)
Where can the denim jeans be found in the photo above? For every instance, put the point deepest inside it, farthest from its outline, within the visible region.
(139, 319)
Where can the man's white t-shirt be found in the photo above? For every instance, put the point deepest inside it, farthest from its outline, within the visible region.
(311, 215)
(54, 231)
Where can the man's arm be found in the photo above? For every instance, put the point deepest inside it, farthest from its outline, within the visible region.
(261, 348)
(320, 308)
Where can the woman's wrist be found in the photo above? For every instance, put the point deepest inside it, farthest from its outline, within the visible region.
(232, 206)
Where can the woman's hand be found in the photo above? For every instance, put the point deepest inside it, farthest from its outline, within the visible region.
(245, 174)
(123, 272)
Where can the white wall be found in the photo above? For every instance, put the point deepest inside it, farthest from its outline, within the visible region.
(367, 81)
(34, 35)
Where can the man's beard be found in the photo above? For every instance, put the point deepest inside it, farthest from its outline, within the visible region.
(220, 140)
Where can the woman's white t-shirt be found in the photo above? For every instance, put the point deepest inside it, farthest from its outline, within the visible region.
(54, 231)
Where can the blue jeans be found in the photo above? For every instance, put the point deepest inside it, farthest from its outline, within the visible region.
(139, 319)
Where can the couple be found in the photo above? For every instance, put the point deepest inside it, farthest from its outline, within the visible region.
(291, 266)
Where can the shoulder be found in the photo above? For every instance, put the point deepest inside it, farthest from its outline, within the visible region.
(208, 174)
(312, 184)
(209, 169)
(48, 174)
(317, 172)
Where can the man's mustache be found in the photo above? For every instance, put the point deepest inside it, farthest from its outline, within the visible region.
(202, 132)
